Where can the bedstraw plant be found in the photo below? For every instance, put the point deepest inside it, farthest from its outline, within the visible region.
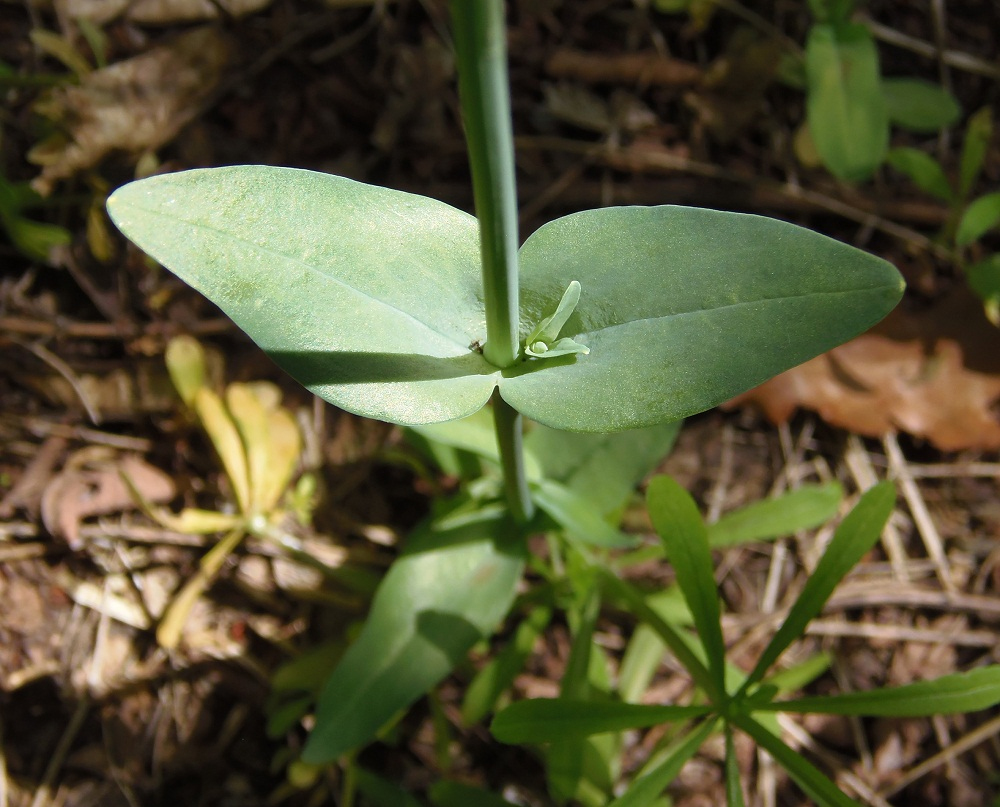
(605, 327)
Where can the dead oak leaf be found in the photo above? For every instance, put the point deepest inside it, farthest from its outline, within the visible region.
(78, 493)
(136, 105)
(934, 374)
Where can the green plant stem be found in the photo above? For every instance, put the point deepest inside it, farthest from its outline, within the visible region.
(509, 437)
(480, 45)
(481, 49)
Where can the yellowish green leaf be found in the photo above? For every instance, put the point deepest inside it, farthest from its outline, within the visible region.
(225, 437)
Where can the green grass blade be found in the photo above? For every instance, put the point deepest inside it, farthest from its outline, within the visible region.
(801, 509)
(815, 785)
(547, 720)
(734, 788)
(676, 518)
(648, 788)
(951, 694)
(633, 600)
(854, 537)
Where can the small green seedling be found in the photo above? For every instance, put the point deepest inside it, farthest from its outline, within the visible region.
(969, 219)
(850, 105)
(727, 699)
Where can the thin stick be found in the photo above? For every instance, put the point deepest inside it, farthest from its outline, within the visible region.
(918, 509)
(960, 746)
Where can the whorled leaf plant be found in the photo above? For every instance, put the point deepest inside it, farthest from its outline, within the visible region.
(402, 308)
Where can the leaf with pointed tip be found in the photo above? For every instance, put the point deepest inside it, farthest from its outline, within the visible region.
(683, 308)
(971, 691)
(677, 521)
(816, 786)
(648, 787)
(454, 583)
(370, 297)
(856, 534)
(548, 720)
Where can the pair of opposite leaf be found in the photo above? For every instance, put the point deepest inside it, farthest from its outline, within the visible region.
(373, 298)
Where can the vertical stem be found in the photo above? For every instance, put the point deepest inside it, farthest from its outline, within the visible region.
(480, 44)
(481, 49)
(509, 437)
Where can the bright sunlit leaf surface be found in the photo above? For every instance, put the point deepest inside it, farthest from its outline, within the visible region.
(682, 308)
(369, 297)
(372, 298)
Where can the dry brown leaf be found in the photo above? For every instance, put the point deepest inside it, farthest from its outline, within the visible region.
(78, 493)
(934, 374)
(136, 105)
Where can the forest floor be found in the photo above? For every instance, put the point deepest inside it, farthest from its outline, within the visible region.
(614, 103)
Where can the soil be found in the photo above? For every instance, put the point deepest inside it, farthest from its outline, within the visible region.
(614, 103)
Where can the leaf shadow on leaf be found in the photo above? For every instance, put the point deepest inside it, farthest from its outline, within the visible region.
(526, 366)
(315, 368)
(452, 635)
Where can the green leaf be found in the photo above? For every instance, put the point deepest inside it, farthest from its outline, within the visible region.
(984, 280)
(800, 509)
(734, 788)
(583, 618)
(679, 310)
(815, 785)
(185, 360)
(981, 216)
(370, 297)
(648, 787)
(577, 516)
(498, 675)
(856, 534)
(635, 602)
(35, 239)
(645, 647)
(845, 106)
(450, 589)
(548, 720)
(978, 133)
(383, 793)
(800, 675)
(477, 435)
(924, 171)
(676, 519)
(951, 694)
(459, 794)
(920, 106)
(602, 468)
(547, 331)
(831, 10)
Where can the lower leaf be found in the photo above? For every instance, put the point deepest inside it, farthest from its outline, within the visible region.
(449, 590)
